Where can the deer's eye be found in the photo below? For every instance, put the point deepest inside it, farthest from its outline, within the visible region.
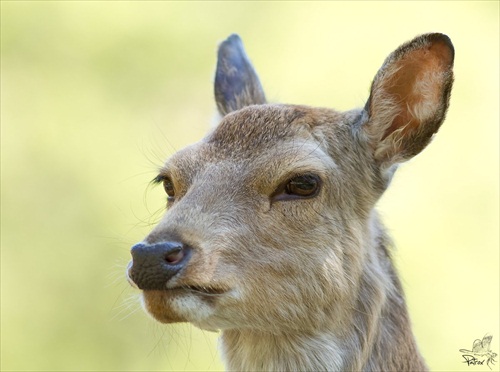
(298, 187)
(304, 186)
(168, 185)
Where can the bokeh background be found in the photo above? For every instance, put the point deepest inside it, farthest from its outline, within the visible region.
(95, 95)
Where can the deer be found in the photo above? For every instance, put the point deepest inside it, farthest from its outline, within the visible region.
(271, 236)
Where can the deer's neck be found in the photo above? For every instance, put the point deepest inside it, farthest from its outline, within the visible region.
(371, 332)
(368, 342)
(249, 350)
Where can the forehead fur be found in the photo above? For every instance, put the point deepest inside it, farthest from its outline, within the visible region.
(261, 126)
(262, 135)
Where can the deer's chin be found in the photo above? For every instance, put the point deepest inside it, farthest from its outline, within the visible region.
(158, 305)
(177, 305)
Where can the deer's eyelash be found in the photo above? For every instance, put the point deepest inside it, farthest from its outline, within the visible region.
(158, 179)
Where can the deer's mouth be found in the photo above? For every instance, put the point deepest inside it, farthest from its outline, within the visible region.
(199, 289)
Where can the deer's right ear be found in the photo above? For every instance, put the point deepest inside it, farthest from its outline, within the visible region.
(236, 83)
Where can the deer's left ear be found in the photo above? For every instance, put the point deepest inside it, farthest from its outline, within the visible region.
(409, 98)
(236, 82)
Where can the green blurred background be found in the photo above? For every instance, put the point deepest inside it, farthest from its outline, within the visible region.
(95, 95)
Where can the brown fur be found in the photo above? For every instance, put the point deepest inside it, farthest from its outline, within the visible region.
(302, 283)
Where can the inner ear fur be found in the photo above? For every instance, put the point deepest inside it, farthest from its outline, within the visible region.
(409, 97)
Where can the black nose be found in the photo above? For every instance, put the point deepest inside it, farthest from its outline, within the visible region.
(154, 264)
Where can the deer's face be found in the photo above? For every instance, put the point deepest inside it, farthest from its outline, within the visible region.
(259, 215)
(269, 220)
